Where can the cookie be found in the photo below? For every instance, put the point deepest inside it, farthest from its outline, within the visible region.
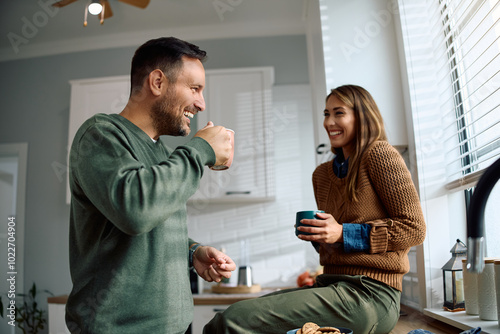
(309, 328)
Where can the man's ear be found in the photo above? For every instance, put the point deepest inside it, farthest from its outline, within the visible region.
(157, 82)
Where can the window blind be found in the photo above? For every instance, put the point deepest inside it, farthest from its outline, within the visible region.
(466, 46)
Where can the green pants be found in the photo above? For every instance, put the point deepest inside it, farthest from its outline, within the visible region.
(356, 302)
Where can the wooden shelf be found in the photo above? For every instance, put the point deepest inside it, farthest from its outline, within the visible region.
(463, 321)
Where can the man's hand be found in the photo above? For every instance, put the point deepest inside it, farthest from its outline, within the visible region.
(220, 141)
(212, 264)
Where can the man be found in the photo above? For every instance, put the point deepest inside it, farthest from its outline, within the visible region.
(129, 249)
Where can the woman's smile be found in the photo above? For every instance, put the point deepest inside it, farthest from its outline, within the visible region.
(340, 124)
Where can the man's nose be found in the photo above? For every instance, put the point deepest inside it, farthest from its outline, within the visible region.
(200, 103)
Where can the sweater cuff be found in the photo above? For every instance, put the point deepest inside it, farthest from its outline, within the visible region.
(192, 249)
(356, 237)
(206, 151)
(379, 237)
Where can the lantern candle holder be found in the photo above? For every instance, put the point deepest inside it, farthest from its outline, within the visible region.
(453, 279)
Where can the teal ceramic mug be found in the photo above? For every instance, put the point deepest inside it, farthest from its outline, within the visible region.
(311, 214)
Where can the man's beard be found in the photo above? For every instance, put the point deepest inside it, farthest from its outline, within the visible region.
(167, 119)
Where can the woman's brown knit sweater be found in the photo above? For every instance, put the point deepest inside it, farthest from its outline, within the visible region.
(387, 201)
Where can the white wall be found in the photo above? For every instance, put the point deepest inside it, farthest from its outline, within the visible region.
(360, 47)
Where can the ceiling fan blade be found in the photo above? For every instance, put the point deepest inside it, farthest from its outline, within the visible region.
(63, 3)
(137, 3)
(106, 10)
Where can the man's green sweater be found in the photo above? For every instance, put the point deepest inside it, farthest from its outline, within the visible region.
(129, 255)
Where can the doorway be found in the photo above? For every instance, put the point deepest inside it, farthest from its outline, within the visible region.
(13, 165)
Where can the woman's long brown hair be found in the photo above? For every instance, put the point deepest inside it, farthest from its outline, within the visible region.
(369, 128)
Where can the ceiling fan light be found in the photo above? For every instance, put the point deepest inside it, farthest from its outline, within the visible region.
(95, 8)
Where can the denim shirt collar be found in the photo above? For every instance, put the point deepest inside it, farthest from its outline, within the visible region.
(340, 167)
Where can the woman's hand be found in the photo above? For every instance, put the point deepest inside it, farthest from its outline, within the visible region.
(325, 230)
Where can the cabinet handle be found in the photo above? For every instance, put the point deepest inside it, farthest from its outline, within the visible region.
(238, 192)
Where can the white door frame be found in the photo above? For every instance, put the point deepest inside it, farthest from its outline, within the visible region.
(19, 150)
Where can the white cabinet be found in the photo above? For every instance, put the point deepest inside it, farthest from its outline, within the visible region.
(107, 95)
(56, 315)
(240, 99)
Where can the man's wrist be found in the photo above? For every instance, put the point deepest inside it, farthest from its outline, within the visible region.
(192, 249)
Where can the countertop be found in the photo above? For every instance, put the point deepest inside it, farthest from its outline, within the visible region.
(209, 298)
(205, 298)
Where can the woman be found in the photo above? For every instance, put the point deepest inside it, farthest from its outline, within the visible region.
(372, 218)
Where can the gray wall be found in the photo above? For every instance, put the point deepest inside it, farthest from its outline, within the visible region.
(35, 109)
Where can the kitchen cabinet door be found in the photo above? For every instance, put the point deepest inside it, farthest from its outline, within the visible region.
(107, 95)
(240, 99)
(56, 316)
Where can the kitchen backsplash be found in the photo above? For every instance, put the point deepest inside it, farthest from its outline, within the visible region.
(276, 256)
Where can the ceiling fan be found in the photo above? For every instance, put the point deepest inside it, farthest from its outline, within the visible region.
(102, 7)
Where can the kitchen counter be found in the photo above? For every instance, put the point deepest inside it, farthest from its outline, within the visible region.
(206, 305)
(205, 298)
(209, 298)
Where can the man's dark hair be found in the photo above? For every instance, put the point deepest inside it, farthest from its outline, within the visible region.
(163, 53)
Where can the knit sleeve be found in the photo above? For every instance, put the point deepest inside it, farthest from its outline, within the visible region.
(191, 242)
(192, 246)
(404, 227)
(135, 197)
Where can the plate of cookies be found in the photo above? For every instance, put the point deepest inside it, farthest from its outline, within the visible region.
(312, 328)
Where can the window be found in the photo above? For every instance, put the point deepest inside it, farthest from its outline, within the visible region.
(451, 51)
(470, 40)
